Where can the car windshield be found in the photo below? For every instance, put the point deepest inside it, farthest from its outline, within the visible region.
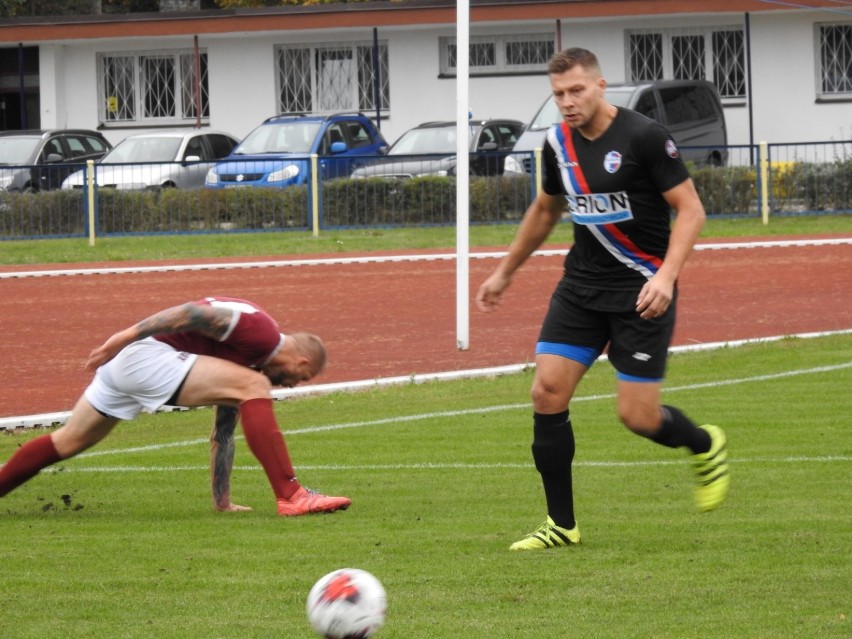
(549, 114)
(426, 140)
(17, 149)
(147, 149)
(619, 97)
(280, 137)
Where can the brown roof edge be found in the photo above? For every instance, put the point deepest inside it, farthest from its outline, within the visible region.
(347, 15)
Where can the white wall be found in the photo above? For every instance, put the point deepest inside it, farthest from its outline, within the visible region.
(784, 83)
(241, 83)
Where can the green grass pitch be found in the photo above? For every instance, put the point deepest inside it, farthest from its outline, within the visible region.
(123, 543)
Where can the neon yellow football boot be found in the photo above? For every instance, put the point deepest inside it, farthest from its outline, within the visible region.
(548, 535)
(712, 471)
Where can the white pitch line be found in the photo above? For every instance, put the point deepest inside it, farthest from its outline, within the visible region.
(473, 411)
(57, 419)
(450, 465)
(378, 259)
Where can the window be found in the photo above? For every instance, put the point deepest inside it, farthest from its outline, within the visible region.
(835, 61)
(500, 54)
(688, 104)
(647, 105)
(153, 88)
(358, 135)
(52, 147)
(220, 145)
(717, 54)
(76, 146)
(328, 79)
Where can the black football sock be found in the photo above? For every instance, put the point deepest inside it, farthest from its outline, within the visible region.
(678, 430)
(553, 452)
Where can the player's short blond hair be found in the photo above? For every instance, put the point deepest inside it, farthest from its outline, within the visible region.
(312, 347)
(567, 59)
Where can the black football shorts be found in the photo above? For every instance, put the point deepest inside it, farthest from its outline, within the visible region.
(582, 322)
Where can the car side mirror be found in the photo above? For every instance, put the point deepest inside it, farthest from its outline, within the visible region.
(338, 147)
(192, 158)
(488, 146)
(53, 158)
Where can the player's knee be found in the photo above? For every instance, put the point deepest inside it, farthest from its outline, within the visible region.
(548, 397)
(259, 386)
(640, 419)
(256, 385)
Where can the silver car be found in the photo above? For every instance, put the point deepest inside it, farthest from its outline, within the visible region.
(39, 160)
(430, 149)
(158, 160)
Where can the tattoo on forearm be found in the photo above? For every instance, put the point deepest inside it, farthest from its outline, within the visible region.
(209, 320)
(222, 444)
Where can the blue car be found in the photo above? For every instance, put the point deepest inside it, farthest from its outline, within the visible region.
(277, 153)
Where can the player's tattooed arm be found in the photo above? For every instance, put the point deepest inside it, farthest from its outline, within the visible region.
(222, 458)
(209, 320)
(212, 321)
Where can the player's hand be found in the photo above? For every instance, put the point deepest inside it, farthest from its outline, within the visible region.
(490, 293)
(230, 508)
(106, 351)
(654, 298)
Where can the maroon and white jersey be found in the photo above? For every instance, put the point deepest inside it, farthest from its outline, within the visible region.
(251, 340)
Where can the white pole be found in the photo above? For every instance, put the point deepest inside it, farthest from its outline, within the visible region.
(462, 176)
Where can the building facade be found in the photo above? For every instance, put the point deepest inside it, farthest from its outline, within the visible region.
(784, 72)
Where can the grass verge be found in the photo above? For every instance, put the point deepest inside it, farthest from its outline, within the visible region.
(167, 247)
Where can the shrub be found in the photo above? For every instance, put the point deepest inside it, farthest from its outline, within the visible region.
(726, 190)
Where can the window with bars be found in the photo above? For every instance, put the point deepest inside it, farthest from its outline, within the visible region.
(500, 54)
(717, 54)
(163, 87)
(332, 78)
(834, 57)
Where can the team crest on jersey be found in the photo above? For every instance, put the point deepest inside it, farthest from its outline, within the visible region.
(612, 161)
(671, 149)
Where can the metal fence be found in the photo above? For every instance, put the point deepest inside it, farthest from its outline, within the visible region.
(803, 178)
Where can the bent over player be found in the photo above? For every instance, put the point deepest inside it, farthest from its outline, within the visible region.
(620, 175)
(219, 350)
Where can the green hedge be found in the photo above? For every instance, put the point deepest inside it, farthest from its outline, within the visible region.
(808, 186)
(384, 202)
(727, 190)
(421, 200)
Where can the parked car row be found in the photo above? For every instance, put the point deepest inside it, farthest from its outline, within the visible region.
(277, 153)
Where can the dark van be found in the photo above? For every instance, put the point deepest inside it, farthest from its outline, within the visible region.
(690, 109)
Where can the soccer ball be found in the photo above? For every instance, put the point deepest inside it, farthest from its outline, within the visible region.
(347, 604)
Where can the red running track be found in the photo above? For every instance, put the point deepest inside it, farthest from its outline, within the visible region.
(397, 318)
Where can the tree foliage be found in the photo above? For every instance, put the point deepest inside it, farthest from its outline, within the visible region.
(243, 4)
(21, 8)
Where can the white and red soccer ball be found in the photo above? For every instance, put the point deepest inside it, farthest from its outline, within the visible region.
(347, 604)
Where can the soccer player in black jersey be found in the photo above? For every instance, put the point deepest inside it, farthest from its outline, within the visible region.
(619, 175)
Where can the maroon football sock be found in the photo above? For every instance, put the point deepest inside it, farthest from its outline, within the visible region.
(267, 444)
(26, 463)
